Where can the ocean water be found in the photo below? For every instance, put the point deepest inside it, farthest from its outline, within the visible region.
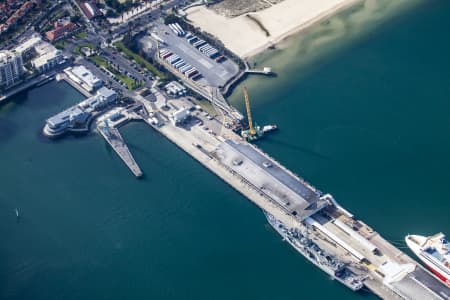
(365, 118)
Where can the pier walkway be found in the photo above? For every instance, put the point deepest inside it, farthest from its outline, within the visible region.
(263, 71)
(113, 137)
(391, 273)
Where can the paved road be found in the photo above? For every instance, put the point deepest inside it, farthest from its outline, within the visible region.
(143, 20)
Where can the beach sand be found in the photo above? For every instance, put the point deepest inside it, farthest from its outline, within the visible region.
(248, 36)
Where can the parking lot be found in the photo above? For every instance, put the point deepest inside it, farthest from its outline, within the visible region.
(214, 73)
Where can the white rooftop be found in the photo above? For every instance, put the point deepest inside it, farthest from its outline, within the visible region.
(85, 75)
(28, 44)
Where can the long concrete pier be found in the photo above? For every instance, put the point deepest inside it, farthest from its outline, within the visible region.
(113, 137)
(391, 274)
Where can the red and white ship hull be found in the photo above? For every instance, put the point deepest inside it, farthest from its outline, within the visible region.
(415, 243)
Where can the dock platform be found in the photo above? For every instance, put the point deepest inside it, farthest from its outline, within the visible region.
(113, 137)
(263, 71)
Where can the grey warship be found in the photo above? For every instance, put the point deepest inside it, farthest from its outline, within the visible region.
(311, 251)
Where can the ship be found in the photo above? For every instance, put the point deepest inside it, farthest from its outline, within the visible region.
(334, 267)
(434, 252)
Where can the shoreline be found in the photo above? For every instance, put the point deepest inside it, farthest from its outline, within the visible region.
(302, 27)
(252, 40)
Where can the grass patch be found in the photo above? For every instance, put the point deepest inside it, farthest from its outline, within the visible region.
(81, 35)
(130, 83)
(139, 59)
(127, 80)
(78, 47)
(60, 45)
(99, 61)
(206, 105)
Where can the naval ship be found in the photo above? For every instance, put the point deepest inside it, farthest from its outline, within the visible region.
(311, 251)
(434, 251)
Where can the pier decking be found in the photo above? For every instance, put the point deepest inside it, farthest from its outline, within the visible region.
(246, 169)
(107, 126)
(263, 71)
(113, 137)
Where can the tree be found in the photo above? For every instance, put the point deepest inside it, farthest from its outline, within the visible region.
(75, 19)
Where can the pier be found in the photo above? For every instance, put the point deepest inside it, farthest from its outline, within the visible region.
(108, 124)
(113, 137)
(62, 76)
(263, 71)
(389, 273)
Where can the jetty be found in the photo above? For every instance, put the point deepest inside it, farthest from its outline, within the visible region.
(75, 85)
(108, 124)
(113, 137)
(263, 71)
(388, 272)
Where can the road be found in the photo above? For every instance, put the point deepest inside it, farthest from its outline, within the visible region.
(143, 19)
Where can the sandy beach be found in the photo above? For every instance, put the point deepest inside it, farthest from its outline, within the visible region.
(247, 36)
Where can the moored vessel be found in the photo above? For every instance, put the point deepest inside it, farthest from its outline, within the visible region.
(336, 268)
(434, 252)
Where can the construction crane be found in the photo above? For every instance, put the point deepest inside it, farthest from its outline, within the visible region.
(252, 130)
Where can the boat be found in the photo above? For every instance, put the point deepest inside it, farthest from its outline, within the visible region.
(269, 128)
(334, 267)
(434, 252)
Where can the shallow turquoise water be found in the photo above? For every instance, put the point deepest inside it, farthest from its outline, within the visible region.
(368, 123)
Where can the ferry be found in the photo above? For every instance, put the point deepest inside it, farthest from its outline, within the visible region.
(434, 252)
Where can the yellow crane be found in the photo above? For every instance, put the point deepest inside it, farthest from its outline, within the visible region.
(252, 130)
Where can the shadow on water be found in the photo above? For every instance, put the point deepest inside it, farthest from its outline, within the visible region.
(307, 151)
(70, 136)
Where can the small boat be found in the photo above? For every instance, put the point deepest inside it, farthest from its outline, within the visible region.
(17, 213)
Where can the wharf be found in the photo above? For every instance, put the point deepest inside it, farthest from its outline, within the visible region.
(113, 137)
(210, 93)
(263, 71)
(41, 79)
(62, 76)
(107, 126)
(391, 274)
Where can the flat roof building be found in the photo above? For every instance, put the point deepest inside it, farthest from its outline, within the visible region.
(48, 57)
(28, 45)
(76, 118)
(175, 88)
(180, 116)
(82, 76)
(11, 67)
(283, 188)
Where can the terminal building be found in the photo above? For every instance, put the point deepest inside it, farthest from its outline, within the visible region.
(11, 67)
(83, 77)
(77, 118)
(289, 192)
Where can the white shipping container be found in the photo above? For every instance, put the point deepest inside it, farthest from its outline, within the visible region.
(179, 28)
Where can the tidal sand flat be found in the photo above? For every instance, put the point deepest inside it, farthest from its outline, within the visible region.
(251, 33)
